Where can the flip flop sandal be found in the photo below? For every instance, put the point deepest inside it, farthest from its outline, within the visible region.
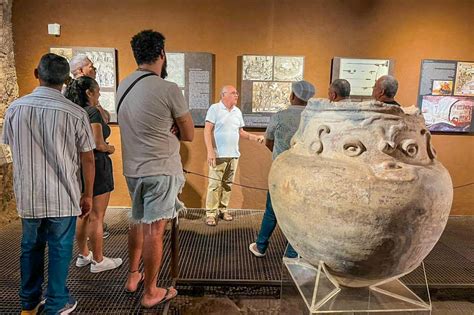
(165, 298)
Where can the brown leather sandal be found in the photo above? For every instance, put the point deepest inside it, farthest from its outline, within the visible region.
(211, 221)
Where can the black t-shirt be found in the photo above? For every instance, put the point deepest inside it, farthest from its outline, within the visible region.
(96, 118)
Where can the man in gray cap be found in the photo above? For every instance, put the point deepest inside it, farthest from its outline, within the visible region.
(280, 130)
(339, 90)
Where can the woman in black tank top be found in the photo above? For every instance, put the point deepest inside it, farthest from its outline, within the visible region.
(85, 92)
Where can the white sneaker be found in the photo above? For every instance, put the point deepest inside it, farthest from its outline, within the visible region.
(83, 261)
(105, 264)
(254, 250)
(69, 307)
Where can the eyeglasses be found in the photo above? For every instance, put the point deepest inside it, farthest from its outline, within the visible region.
(233, 93)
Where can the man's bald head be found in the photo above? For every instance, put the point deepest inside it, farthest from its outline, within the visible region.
(229, 96)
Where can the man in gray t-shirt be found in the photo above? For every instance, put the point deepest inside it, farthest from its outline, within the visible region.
(153, 118)
(283, 125)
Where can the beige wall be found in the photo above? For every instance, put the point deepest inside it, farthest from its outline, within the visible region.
(407, 31)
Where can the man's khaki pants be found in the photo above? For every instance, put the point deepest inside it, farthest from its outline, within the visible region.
(218, 191)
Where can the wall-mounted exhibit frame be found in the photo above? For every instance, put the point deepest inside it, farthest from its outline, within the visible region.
(446, 95)
(264, 83)
(194, 74)
(105, 61)
(361, 74)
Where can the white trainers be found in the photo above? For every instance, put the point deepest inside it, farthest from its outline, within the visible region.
(83, 261)
(105, 264)
(69, 307)
(254, 250)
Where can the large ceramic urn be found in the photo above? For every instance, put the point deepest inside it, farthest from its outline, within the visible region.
(361, 190)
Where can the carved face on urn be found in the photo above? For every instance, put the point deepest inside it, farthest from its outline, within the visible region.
(383, 137)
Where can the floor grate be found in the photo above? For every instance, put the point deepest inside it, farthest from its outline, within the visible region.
(216, 256)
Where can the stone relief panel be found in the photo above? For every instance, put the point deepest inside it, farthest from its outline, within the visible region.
(63, 52)
(175, 68)
(288, 68)
(265, 85)
(270, 96)
(104, 61)
(257, 68)
(107, 100)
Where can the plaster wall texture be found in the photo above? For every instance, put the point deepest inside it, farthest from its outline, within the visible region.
(406, 31)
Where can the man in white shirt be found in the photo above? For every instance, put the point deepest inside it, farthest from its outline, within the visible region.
(222, 131)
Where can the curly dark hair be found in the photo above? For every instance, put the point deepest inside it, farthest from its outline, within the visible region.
(147, 46)
(76, 90)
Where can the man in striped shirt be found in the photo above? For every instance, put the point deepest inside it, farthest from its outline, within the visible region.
(50, 137)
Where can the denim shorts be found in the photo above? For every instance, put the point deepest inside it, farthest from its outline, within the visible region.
(155, 198)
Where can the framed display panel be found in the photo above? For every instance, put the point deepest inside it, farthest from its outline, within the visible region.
(193, 72)
(361, 73)
(446, 95)
(265, 85)
(105, 61)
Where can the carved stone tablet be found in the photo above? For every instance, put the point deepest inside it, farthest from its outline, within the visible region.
(270, 96)
(107, 101)
(104, 60)
(63, 52)
(257, 68)
(288, 68)
(265, 86)
(175, 68)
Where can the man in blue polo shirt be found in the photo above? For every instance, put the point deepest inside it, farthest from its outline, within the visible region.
(223, 128)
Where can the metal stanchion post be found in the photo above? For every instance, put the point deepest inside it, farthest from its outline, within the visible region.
(174, 250)
(174, 258)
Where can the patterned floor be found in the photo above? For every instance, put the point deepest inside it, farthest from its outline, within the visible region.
(215, 262)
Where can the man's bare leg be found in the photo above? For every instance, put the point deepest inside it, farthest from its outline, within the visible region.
(135, 246)
(153, 242)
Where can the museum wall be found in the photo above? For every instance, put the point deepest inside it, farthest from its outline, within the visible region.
(406, 31)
